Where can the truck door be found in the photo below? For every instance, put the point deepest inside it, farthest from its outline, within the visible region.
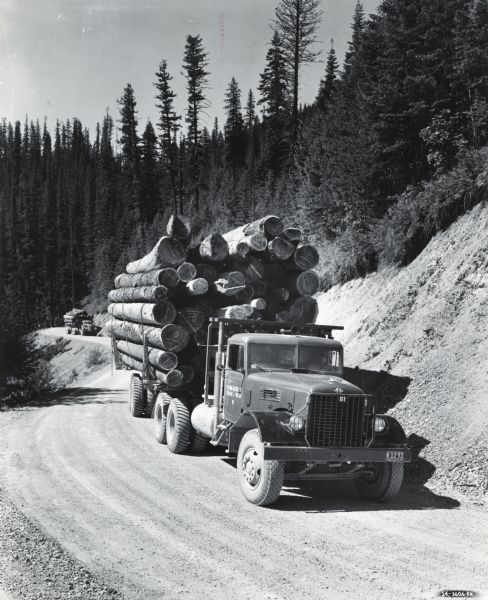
(234, 379)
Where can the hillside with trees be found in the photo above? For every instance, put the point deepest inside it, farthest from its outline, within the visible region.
(393, 150)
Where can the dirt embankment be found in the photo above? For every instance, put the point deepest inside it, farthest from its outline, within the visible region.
(83, 357)
(418, 336)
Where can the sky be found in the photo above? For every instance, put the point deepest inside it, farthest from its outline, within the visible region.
(73, 58)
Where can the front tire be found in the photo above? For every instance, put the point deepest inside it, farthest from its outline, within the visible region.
(260, 480)
(178, 426)
(383, 485)
(137, 403)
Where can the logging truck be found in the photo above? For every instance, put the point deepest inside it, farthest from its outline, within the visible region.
(274, 394)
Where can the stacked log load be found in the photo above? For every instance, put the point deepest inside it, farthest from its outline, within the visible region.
(258, 271)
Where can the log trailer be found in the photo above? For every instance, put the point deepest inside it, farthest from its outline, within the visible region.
(274, 394)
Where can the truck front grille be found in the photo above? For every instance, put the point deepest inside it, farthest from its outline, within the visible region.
(336, 421)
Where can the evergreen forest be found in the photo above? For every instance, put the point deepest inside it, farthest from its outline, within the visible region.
(393, 149)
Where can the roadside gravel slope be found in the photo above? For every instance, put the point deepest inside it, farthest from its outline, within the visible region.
(425, 327)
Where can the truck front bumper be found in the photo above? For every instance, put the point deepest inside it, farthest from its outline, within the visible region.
(325, 455)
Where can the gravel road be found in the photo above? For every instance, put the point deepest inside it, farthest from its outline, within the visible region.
(151, 524)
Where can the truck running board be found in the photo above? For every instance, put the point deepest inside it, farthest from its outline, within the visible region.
(222, 429)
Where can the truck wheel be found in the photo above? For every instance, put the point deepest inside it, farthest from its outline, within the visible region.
(260, 480)
(178, 426)
(198, 442)
(160, 420)
(384, 485)
(137, 404)
(68, 331)
(150, 403)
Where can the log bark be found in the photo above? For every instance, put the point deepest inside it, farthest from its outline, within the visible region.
(252, 268)
(156, 293)
(197, 287)
(241, 243)
(188, 374)
(238, 249)
(167, 277)
(305, 283)
(229, 283)
(204, 305)
(172, 338)
(147, 314)
(191, 319)
(277, 294)
(245, 295)
(292, 234)
(206, 271)
(270, 225)
(159, 359)
(260, 287)
(168, 252)
(214, 248)
(179, 227)
(258, 303)
(186, 272)
(300, 310)
(173, 378)
(279, 249)
(232, 312)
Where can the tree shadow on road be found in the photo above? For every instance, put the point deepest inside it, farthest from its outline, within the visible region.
(81, 395)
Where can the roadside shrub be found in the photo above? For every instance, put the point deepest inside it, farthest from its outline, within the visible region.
(349, 256)
(96, 357)
(418, 214)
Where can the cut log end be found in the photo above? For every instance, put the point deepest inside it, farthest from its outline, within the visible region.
(306, 257)
(280, 249)
(214, 248)
(179, 227)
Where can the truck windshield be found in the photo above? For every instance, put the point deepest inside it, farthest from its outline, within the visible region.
(272, 357)
(284, 357)
(319, 359)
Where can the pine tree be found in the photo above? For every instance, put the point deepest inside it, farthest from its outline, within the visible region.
(129, 140)
(328, 85)
(195, 69)
(150, 180)
(276, 102)
(250, 110)
(169, 125)
(235, 137)
(130, 155)
(296, 22)
(358, 25)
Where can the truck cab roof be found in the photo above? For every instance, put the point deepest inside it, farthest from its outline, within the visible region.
(276, 338)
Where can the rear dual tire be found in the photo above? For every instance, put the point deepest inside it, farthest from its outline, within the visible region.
(137, 397)
(178, 426)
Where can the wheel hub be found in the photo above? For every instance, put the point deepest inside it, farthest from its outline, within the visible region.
(251, 467)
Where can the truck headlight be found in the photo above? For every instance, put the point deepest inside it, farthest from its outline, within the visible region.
(379, 424)
(296, 423)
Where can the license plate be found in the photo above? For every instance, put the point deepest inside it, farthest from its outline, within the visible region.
(394, 456)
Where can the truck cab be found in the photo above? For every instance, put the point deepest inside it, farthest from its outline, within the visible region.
(279, 372)
(275, 395)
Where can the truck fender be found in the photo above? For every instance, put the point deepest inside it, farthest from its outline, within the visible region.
(393, 434)
(271, 427)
